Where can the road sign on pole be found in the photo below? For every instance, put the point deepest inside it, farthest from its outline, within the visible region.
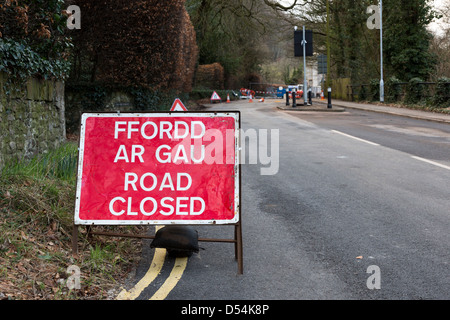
(375, 21)
(381, 53)
(304, 44)
(299, 36)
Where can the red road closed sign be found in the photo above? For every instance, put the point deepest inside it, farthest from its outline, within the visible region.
(158, 168)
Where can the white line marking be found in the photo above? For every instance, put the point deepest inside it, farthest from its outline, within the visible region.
(359, 139)
(431, 162)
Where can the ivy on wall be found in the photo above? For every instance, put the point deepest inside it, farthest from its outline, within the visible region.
(33, 42)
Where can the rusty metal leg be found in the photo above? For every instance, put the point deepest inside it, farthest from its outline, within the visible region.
(239, 248)
(235, 243)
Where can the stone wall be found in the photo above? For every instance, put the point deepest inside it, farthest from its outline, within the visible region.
(31, 119)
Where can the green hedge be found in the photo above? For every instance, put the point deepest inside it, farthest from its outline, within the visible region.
(417, 92)
(393, 90)
(374, 90)
(442, 95)
(414, 91)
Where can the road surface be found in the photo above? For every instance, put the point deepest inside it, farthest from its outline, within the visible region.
(358, 209)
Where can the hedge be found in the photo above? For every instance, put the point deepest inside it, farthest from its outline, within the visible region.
(142, 43)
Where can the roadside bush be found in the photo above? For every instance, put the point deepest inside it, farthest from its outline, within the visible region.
(374, 90)
(37, 199)
(362, 94)
(150, 44)
(210, 76)
(414, 91)
(442, 95)
(393, 90)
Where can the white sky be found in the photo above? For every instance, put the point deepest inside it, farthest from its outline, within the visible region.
(437, 26)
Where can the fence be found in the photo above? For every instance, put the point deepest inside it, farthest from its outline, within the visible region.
(338, 88)
(407, 92)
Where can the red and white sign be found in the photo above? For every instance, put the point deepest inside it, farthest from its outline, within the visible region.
(177, 105)
(215, 96)
(158, 168)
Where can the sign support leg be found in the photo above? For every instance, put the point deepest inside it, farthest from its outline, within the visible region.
(238, 247)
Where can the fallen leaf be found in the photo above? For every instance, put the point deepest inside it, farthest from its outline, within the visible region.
(359, 257)
(21, 268)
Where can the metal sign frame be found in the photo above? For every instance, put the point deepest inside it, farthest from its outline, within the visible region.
(236, 221)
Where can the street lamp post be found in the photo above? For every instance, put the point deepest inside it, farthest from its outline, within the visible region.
(305, 85)
(381, 53)
(328, 46)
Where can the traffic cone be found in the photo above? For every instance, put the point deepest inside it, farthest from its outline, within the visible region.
(322, 97)
(228, 98)
(251, 100)
(261, 100)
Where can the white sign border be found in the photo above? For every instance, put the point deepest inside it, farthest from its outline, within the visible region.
(211, 114)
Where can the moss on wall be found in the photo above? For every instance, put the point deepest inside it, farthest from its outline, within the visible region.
(31, 119)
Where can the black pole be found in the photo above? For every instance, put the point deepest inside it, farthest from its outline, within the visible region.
(287, 97)
(329, 98)
(294, 103)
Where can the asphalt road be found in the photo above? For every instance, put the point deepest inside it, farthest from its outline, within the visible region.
(354, 189)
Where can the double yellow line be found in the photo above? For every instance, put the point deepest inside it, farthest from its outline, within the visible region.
(153, 271)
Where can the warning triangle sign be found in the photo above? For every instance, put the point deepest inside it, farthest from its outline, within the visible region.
(177, 105)
(215, 96)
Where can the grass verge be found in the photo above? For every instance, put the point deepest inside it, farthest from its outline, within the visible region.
(36, 216)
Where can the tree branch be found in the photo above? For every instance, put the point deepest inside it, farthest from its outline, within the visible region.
(277, 6)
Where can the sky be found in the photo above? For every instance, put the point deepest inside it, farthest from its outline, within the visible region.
(438, 25)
